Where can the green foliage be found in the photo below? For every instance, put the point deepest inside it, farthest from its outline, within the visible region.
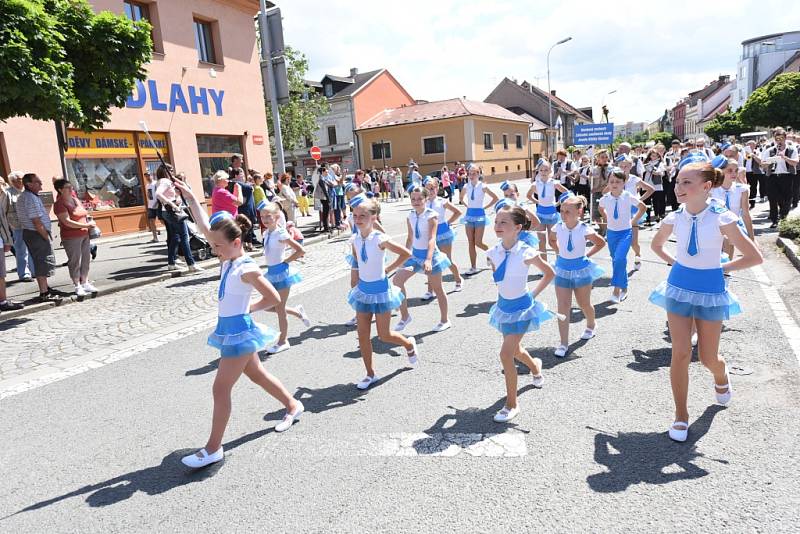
(60, 61)
(776, 103)
(299, 115)
(635, 139)
(790, 228)
(727, 123)
(665, 138)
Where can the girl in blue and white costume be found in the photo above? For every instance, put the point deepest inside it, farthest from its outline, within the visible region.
(279, 272)
(616, 207)
(476, 220)
(444, 231)
(511, 198)
(544, 187)
(517, 312)
(634, 184)
(355, 196)
(236, 335)
(374, 295)
(575, 272)
(425, 257)
(695, 292)
(734, 195)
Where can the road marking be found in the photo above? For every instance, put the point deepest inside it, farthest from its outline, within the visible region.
(779, 309)
(400, 444)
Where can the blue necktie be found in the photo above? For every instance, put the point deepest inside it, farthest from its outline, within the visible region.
(500, 272)
(544, 189)
(570, 248)
(266, 243)
(221, 291)
(616, 209)
(472, 194)
(363, 250)
(692, 248)
(416, 228)
(728, 199)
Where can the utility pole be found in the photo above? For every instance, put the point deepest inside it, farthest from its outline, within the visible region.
(271, 87)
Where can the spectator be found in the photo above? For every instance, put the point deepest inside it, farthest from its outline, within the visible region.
(152, 206)
(322, 182)
(781, 160)
(302, 197)
(654, 170)
(5, 245)
(287, 193)
(248, 206)
(175, 219)
(74, 226)
(447, 185)
(35, 222)
(8, 205)
(221, 198)
(337, 194)
(755, 176)
(259, 194)
(398, 182)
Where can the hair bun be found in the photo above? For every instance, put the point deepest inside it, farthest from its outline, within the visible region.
(244, 223)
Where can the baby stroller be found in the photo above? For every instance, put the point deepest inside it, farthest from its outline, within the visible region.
(201, 249)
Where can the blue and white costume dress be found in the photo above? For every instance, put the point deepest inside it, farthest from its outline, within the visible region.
(419, 244)
(516, 311)
(526, 236)
(696, 284)
(444, 234)
(619, 234)
(732, 200)
(476, 215)
(373, 293)
(351, 223)
(279, 273)
(546, 195)
(573, 269)
(236, 333)
(632, 187)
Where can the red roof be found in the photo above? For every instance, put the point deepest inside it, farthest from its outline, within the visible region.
(442, 109)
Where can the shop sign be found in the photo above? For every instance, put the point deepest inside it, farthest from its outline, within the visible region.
(146, 148)
(100, 143)
(189, 100)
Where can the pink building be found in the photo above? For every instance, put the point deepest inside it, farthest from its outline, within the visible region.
(202, 101)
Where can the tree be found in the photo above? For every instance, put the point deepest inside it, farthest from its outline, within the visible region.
(665, 138)
(60, 61)
(299, 115)
(776, 103)
(727, 123)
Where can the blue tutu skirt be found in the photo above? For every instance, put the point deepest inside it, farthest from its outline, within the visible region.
(698, 293)
(439, 262)
(518, 316)
(282, 276)
(529, 238)
(444, 234)
(547, 214)
(475, 218)
(577, 272)
(375, 297)
(238, 335)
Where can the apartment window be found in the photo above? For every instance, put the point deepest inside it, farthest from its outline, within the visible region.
(505, 142)
(492, 170)
(506, 168)
(215, 153)
(518, 167)
(137, 11)
(488, 142)
(433, 145)
(331, 135)
(378, 154)
(536, 136)
(204, 41)
(519, 142)
(309, 142)
(329, 89)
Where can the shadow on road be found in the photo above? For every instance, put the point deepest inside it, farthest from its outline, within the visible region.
(8, 324)
(155, 480)
(322, 331)
(480, 308)
(648, 457)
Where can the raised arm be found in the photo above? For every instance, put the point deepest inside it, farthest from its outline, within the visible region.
(199, 214)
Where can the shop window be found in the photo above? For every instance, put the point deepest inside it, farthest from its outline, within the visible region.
(331, 135)
(386, 153)
(505, 141)
(215, 153)
(106, 183)
(519, 141)
(204, 41)
(433, 145)
(137, 11)
(488, 142)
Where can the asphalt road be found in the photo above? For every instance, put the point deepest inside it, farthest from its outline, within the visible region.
(99, 451)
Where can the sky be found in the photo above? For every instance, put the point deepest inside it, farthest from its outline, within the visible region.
(439, 49)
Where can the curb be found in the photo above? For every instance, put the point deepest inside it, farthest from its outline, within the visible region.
(791, 250)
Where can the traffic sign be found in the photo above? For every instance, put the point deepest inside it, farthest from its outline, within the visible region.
(316, 153)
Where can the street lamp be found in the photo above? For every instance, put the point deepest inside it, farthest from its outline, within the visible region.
(603, 109)
(352, 146)
(549, 94)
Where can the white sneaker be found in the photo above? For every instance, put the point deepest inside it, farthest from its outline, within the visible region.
(589, 333)
(470, 271)
(352, 322)
(366, 382)
(79, 291)
(89, 288)
(428, 296)
(459, 287)
(505, 415)
(201, 458)
(724, 397)
(561, 351)
(403, 324)
(623, 296)
(413, 354)
(679, 431)
(275, 349)
(304, 316)
(694, 339)
(194, 268)
(441, 327)
(538, 380)
(290, 418)
(172, 267)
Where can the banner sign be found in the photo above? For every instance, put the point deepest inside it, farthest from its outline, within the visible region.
(100, 143)
(594, 134)
(190, 100)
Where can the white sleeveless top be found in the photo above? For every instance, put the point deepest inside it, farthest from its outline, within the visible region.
(632, 185)
(546, 192)
(373, 269)
(479, 194)
(421, 222)
(709, 236)
(515, 282)
(275, 246)
(623, 204)
(579, 234)
(236, 296)
(437, 205)
(734, 196)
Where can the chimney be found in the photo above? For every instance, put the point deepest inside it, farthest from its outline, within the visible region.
(553, 92)
(353, 72)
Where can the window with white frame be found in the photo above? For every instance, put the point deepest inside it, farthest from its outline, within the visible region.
(505, 141)
(433, 145)
(488, 141)
(381, 151)
(518, 139)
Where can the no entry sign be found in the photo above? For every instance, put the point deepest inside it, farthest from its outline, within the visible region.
(316, 152)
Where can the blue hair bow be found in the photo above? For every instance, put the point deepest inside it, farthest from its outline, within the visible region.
(502, 203)
(505, 185)
(262, 205)
(565, 196)
(356, 200)
(719, 162)
(218, 216)
(725, 146)
(692, 158)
